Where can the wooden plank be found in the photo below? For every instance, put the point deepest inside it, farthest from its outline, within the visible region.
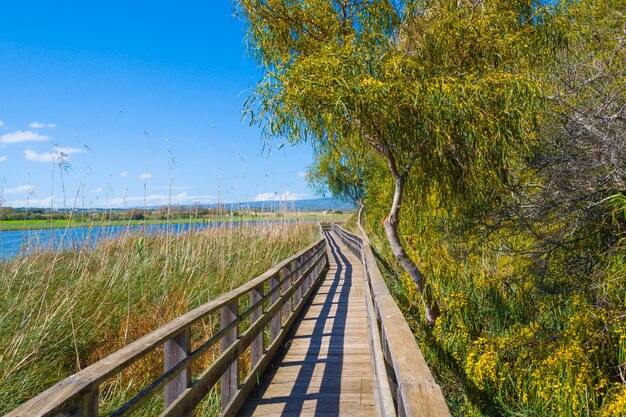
(255, 374)
(384, 396)
(422, 400)
(230, 378)
(276, 322)
(191, 397)
(410, 374)
(314, 408)
(325, 367)
(286, 276)
(174, 351)
(256, 347)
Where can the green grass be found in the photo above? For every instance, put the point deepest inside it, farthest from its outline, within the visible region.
(77, 222)
(34, 224)
(60, 312)
(503, 346)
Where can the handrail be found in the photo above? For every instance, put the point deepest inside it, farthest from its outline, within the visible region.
(401, 370)
(273, 299)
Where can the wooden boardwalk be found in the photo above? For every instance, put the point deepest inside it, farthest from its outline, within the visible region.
(325, 367)
(318, 334)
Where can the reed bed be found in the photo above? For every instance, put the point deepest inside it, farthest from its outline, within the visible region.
(61, 311)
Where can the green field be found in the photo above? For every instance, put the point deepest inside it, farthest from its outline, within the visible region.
(78, 222)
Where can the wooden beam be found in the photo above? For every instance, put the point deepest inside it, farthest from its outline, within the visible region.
(87, 406)
(297, 295)
(254, 375)
(275, 323)
(174, 351)
(287, 273)
(230, 378)
(256, 347)
(192, 396)
(410, 379)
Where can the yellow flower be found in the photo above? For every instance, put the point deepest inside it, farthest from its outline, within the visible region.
(617, 406)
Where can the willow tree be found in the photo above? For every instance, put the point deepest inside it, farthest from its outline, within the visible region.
(343, 168)
(438, 88)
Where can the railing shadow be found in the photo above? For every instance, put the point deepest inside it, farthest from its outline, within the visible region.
(318, 394)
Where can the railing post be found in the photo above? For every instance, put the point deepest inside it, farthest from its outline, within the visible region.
(256, 347)
(320, 266)
(316, 272)
(308, 281)
(88, 406)
(175, 350)
(297, 294)
(400, 403)
(275, 322)
(230, 378)
(287, 301)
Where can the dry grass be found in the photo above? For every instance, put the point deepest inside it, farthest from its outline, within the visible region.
(60, 312)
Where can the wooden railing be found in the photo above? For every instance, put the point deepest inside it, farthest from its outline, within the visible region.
(405, 385)
(256, 315)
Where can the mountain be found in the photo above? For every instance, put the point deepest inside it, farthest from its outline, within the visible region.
(318, 204)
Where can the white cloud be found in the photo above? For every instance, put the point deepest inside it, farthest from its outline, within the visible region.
(160, 199)
(31, 155)
(22, 189)
(1, 123)
(3, 158)
(145, 176)
(301, 174)
(173, 188)
(67, 151)
(58, 154)
(265, 197)
(128, 201)
(97, 190)
(286, 196)
(21, 136)
(41, 125)
(34, 202)
(123, 174)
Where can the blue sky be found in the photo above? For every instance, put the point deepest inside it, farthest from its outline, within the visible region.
(112, 86)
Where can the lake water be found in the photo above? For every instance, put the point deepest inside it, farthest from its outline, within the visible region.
(16, 242)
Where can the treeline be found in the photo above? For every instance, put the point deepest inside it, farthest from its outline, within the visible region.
(7, 213)
(485, 142)
(160, 213)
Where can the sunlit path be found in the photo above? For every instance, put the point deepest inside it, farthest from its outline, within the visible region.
(325, 367)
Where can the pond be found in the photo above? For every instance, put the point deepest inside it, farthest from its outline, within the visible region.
(17, 242)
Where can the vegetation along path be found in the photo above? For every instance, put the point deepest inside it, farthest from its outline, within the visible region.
(317, 334)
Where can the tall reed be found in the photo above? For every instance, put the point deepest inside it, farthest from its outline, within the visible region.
(60, 312)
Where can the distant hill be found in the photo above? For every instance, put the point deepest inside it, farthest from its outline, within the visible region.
(318, 204)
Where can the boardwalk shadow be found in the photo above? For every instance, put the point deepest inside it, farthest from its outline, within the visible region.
(316, 388)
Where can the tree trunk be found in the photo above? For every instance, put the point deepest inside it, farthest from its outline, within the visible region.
(391, 229)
